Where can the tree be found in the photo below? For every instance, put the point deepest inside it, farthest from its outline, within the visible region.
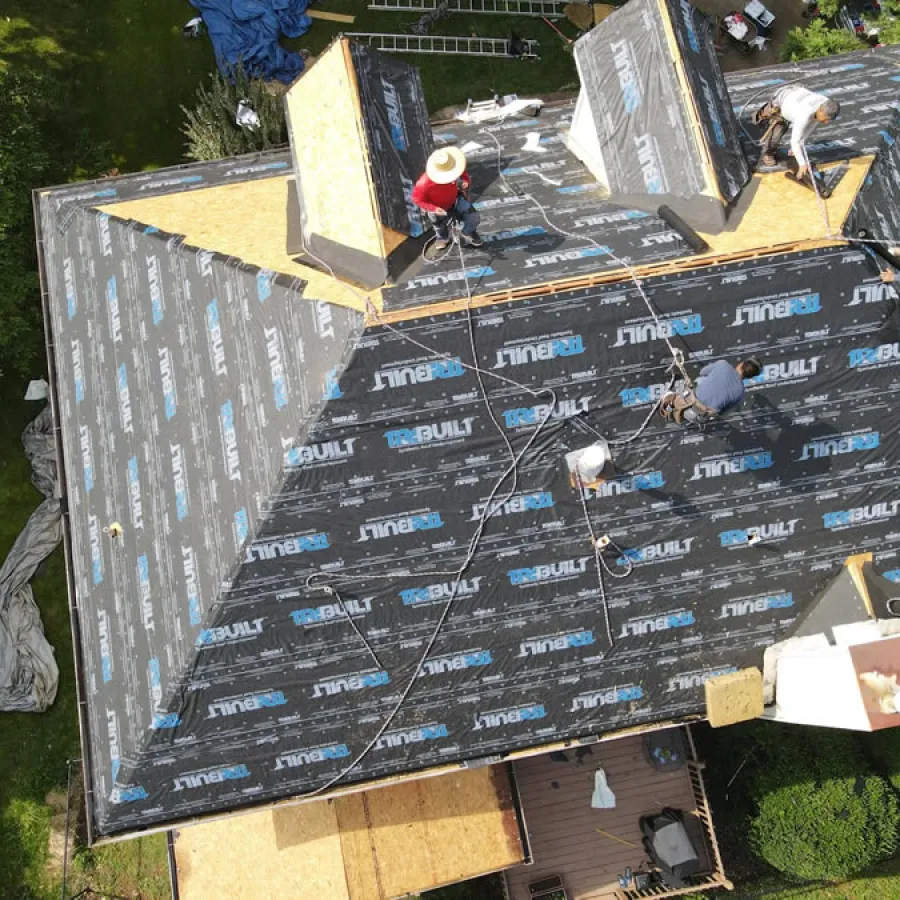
(25, 163)
(41, 144)
(817, 39)
(211, 127)
(888, 29)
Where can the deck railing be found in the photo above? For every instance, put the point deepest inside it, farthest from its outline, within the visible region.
(714, 879)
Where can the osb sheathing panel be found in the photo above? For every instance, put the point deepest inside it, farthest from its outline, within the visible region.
(783, 212)
(392, 240)
(734, 697)
(426, 833)
(247, 221)
(370, 845)
(330, 155)
(293, 851)
(855, 565)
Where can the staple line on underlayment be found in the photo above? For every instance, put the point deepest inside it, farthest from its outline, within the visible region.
(487, 7)
(459, 46)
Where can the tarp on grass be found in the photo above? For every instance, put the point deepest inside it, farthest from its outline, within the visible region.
(247, 32)
(28, 672)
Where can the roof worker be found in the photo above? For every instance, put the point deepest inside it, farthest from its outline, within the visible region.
(719, 388)
(442, 191)
(801, 109)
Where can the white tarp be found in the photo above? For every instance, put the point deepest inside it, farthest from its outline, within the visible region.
(29, 675)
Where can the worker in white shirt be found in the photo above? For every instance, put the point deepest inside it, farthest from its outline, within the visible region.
(800, 109)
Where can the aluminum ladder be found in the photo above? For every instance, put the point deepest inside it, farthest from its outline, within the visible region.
(491, 7)
(461, 46)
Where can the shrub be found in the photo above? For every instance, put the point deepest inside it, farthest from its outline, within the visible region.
(889, 30)
(820, 812)
(210, 126)
(885, 748)
(830, 830)
(817, 39)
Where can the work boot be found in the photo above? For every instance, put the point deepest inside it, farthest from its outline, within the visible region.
(473, 240)
(769, 160)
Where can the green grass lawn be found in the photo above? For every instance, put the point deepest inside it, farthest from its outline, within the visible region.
(451, 80)
(33, 748)
(128, 70)
(880, 883)
(126, 67)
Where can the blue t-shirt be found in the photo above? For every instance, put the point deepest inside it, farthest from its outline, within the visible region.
(719, 386)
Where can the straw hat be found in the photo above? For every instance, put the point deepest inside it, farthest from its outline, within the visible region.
(446, 165)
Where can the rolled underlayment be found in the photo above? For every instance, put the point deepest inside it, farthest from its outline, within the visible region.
(29, 675)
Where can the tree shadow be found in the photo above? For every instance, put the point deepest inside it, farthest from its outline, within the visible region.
(23, 45)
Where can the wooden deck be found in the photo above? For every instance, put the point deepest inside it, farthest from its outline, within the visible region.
(562, 825)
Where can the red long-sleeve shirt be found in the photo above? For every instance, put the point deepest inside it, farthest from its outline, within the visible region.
(430, 196)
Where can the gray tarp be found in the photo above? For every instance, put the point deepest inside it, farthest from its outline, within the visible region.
(28, 672)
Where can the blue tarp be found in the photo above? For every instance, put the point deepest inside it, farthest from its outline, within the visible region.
(247, 31)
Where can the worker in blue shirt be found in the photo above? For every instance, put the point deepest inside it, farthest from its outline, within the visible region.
(719, 388)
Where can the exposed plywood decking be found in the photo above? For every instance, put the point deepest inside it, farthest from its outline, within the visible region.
(427, 833)
(781, 212)
(854, 566)
(368, 845)
(330, 153)
(562, 825)
(247, 221)
(287, 852)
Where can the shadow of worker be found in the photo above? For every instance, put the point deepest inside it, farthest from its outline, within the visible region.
(801, 446)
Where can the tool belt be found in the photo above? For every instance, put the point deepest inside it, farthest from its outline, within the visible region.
(681, 403)
(765, 113)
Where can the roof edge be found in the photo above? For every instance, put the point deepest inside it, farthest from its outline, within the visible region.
(430, 772)
(68, 566)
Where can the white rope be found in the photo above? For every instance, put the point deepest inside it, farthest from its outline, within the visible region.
(490, 508)
(677, 354)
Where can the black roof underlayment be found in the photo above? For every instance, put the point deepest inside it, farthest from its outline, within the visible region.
(521, 248)
(247, 438)
(875, 213)
(665, 139)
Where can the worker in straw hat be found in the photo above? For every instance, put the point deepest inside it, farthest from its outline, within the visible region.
(441, 192)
